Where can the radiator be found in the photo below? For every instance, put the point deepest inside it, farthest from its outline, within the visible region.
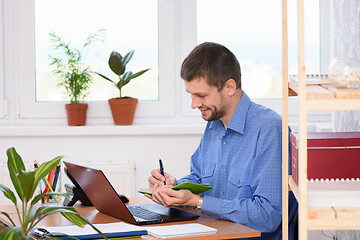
(121, 175)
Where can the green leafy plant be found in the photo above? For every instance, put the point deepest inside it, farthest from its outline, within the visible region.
(117, 64)
(74, 76)
(30, 214)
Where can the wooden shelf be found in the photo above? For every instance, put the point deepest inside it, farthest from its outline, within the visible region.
(339, 218)
(329, 217)
(324, 90)
(314, 92)
(322, 95)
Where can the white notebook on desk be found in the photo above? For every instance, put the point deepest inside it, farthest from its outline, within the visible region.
(180, 230)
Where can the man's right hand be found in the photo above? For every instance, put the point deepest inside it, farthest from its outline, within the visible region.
(157, 178)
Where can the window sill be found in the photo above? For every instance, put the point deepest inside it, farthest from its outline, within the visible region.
(132, 130)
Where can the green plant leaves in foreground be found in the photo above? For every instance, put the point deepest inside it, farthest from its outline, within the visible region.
(25, 183)
(8, 193)
(15, 164)
(11, 233)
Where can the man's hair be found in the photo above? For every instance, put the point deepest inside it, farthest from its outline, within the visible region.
(214, 62)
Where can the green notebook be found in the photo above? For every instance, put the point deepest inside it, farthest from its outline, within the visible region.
(193, 187)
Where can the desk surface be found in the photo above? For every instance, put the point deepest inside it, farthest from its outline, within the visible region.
(226, 229)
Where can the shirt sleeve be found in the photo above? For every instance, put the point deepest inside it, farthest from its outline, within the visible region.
(263, 210)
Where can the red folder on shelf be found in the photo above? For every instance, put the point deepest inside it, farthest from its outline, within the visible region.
(330, 155)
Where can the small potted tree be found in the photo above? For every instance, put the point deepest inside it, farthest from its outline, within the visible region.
(122, 108)
(28, 211)
(73, 75)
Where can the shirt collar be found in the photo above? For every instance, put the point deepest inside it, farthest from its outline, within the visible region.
(237, 122)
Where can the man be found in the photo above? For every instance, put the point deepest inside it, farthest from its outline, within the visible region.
(239, 153)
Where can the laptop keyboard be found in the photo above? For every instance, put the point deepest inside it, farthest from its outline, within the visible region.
(143, 213)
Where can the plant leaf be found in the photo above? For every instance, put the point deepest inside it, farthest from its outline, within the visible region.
(8, 217)
(80, 221)
(75, 218)
(116, 64)
(8, 193)
(48, 210)
(44, 170)
(127, 57)
(40, 196)
(11, 233)
(27, 182)
(15, 164)
(106, 78)
(27, 238)
(135, 75)
(29, 217)
(127, 75)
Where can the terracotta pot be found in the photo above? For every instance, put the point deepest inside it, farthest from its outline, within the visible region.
(76, 114)
(123, 110)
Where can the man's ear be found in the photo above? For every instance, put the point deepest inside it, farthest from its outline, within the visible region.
(230, 86)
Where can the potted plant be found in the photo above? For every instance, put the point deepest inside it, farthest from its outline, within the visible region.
(73, 75)
(29, 214)
(122, 108)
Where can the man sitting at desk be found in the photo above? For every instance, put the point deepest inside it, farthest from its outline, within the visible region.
(239, 153)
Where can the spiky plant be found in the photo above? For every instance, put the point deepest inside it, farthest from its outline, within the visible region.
(74, 76)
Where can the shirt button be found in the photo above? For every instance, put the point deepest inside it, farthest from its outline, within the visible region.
(221, 193)
(224, 142)
(203, 173)
(223, 166)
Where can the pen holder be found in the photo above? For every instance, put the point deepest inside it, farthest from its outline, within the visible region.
(51, 183)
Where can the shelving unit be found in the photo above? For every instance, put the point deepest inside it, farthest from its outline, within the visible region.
(312, 96)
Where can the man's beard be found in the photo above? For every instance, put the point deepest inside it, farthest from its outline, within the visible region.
(215, 114)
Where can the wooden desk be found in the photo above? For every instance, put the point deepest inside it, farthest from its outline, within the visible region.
(226, 229)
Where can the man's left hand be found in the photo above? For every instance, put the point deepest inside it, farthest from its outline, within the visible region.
(164, 195)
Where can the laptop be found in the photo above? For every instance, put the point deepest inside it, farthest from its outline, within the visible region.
(105, 199)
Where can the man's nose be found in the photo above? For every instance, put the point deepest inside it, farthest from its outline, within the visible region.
(195, 103)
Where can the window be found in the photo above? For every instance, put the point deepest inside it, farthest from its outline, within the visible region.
(128, 25)
(252, 30)
(169, 30)
(35, 103)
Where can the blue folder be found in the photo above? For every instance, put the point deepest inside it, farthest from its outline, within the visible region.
(43, 232)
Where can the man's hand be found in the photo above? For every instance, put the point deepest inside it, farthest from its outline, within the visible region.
(164, 195)
(157, 178)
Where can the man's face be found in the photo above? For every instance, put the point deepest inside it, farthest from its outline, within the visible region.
(206, 98)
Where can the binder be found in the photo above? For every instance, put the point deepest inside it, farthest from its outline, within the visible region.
(110, 230)
(330, 156)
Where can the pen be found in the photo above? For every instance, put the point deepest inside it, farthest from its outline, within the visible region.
(162, 170)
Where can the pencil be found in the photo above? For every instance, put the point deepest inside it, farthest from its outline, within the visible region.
(48, 184)
(50, 180)
(56, 177)
(36, 166)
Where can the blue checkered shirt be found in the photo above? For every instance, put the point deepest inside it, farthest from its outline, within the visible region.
(243, 164)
